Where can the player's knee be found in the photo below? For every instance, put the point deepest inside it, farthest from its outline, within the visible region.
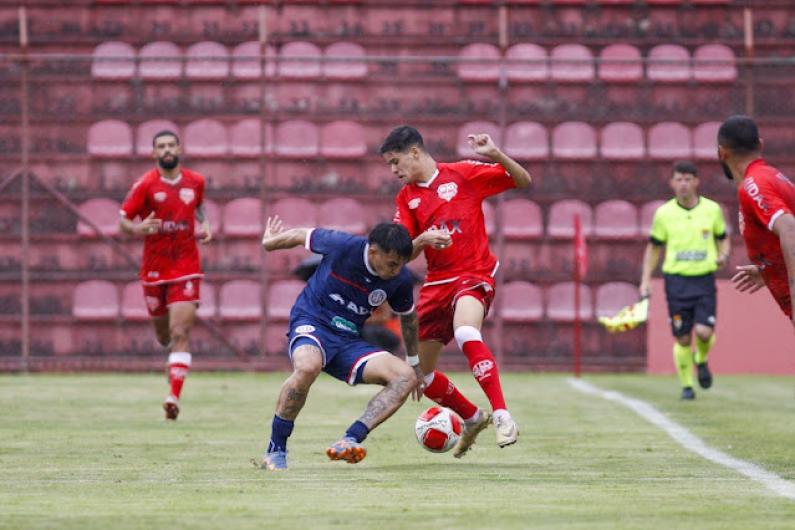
(684, 340)
(307, 368)
(163, 338)
(404, 377)
(179, 333)
(704, 333)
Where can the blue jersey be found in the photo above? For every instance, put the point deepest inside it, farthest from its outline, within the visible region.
(344, 290)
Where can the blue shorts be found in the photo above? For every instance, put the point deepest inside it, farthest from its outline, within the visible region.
(344, 355)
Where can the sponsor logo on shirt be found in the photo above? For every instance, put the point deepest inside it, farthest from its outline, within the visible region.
(691, 255)
(344, 325)
(169, 227)
(376, 297)
(447, 191)
(414, 203)
(160, 196)
(187, 195)
(354, 308)
(452, 226)
(753, 191)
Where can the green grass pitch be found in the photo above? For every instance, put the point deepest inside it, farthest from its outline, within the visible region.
(93, 452)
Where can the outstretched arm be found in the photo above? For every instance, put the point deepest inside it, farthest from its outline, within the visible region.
(784, 228)
(276, 237)
(483, 145)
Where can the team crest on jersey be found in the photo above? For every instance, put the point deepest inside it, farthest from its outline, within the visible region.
(414, 203)
(447, 191)
(376, 298)
(187, 195)
(160, 196)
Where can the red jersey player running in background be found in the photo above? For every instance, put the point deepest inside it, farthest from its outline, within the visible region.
(767, 212)
(168, 199)
(441, 206)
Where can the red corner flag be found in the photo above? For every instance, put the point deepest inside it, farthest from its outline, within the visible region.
(580, 250)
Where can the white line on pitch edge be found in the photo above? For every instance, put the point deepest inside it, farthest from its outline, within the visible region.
(690, 441)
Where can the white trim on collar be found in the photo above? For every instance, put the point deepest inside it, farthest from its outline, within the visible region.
(428, 183)
(366, 261)
(172, 182)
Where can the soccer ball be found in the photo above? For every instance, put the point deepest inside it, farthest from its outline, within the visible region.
(438, 429)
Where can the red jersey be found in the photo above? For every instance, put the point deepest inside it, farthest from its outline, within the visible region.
(765, 195)
(452, 200)
(171, 254)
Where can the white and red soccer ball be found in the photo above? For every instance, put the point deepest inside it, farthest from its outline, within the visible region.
(438, 429)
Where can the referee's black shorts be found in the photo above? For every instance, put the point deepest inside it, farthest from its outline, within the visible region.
(691, 300)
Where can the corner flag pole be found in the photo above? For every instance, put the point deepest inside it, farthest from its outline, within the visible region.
(580, 268)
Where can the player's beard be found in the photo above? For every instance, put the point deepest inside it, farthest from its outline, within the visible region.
(726, 170)
(168, 164)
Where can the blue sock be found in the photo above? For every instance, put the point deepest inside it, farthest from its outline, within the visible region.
(280, 430)
(358, 431)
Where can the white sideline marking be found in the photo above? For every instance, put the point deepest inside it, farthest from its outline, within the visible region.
(690, 441)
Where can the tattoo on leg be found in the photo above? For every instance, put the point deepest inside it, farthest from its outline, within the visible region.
(292, 403)
(386, 402)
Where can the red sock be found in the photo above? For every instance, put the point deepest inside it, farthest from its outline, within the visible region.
(178, 366)
(444, 392)
(484, 368)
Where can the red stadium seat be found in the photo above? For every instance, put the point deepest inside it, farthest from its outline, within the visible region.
(476, 127)
(647, 215)
(344, 60)
(109, 138)
(245, 137)
(669, 141)
(574, 140)
(240, 300)
(214, 215)
(526, 140)
(560, 302)
(342, 139)
(705, 141)
(714, 63)
(113, 60)
(561, 218)
(479, 62)
(620, 63)
(95, 300)
(207, 60)
(295, 212)
(611, 297)
(347, 215)
(297, 139)
(160, 60)
(527, 62)
(521, 302)
(243, 217)
(622, 141)
(616, 219)
(208, 307)
(247, 61)
(146, 133)
(571, 63)
(102, 212)
(669, 63)
(281, 298)
(206, 137)
(521, 218)
(299, 60)
(133, 302)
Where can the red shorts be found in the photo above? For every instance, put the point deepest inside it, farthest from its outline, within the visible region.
(159, 297)
(437, 304)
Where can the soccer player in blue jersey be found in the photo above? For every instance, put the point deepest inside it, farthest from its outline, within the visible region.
(356, 276)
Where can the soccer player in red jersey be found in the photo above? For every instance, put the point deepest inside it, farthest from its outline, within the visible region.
(441, 206)
(169, 199)
(767, 212)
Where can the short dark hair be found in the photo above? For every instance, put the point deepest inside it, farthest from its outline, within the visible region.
(164, 132)
(685, 166)
(392, 237)
(740, 134)
(401, 139)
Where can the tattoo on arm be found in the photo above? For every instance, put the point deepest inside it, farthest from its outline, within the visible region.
(409, 325)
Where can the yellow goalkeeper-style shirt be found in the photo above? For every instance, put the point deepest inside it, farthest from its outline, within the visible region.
(689, 236)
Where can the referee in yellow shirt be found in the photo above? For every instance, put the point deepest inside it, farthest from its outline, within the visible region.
(693, 232)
